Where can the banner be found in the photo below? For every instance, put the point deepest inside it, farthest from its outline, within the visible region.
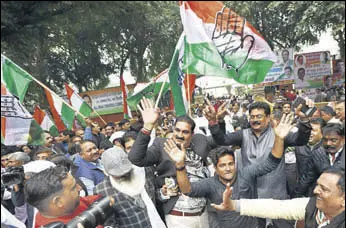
(338, 72)
(282, 71)
(311, 68)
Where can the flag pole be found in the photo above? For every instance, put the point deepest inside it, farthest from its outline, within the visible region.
(188, 95)
(161, 89)
(99, 116)
(45, 87)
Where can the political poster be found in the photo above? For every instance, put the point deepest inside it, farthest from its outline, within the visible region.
(282, 71)
(105, 101)
(310, 69)
(338, 72)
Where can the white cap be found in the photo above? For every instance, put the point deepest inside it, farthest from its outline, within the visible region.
(116, 135)
(37, 166)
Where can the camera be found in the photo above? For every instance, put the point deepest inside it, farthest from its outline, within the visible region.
(95, 215)
(305, 109)
(12, 176)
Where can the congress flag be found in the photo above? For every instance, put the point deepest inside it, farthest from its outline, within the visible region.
(18, 127)
(221, 43)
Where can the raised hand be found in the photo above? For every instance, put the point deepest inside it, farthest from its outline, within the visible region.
(209, 111)
(149, 114)
(177, 155)
(222, 111)
(283, 128)
(227, 204)
(301, 114)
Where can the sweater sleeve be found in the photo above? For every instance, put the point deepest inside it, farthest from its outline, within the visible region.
(219, 136)
(293, 209)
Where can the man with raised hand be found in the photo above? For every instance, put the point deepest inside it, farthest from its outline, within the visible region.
(242, 181)
(326, 209)
(179, 211)
(256, 141)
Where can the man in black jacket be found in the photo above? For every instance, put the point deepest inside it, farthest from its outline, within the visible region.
(304, 153)
(331, 154)
(179, 210)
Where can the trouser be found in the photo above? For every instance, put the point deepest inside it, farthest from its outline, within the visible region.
(275, 223)
(291, 176)
(173, 221)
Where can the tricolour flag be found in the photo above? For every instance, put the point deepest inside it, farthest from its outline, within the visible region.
(44, 121)
(77, 102)
(63, 115)
(18, 127)
(221, 43)
(126, 108)
(182, 85)
(149, 90)
(15, 79)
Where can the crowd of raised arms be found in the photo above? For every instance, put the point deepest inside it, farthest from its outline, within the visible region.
(232, 162)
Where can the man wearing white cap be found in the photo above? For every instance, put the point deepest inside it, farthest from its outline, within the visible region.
(125, 183)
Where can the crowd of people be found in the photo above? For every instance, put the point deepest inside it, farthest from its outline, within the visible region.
(231, 162)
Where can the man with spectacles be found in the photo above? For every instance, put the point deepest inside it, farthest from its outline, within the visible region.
(256, 141)
(90, 170)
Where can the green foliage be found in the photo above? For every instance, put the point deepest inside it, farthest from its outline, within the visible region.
(85, 42)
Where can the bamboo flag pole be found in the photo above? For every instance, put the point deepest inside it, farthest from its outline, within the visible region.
(99, 116)
(160, 93)
(188, 95)
(45, 87)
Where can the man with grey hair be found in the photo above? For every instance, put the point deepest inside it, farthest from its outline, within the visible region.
(17, 159)
(125, 182)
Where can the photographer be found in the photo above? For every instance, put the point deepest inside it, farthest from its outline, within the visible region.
(13, 179)
(55, 193)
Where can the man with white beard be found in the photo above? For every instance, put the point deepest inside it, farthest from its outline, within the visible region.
(125, 182)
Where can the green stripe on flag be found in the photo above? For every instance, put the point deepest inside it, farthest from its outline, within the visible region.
(204, 59)
(36, 134)
(149, 92)
(54, 131)
(81, 120)
(67, 116)
(175, 87)
(17, 81)
(85, 109)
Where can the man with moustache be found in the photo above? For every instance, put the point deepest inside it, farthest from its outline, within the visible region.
(332, 153)
(180, 211)
(90, 170)
(243, 181)
(255, 142)
(325, 209)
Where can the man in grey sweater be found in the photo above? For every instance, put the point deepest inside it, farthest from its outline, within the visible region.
(256, 143)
